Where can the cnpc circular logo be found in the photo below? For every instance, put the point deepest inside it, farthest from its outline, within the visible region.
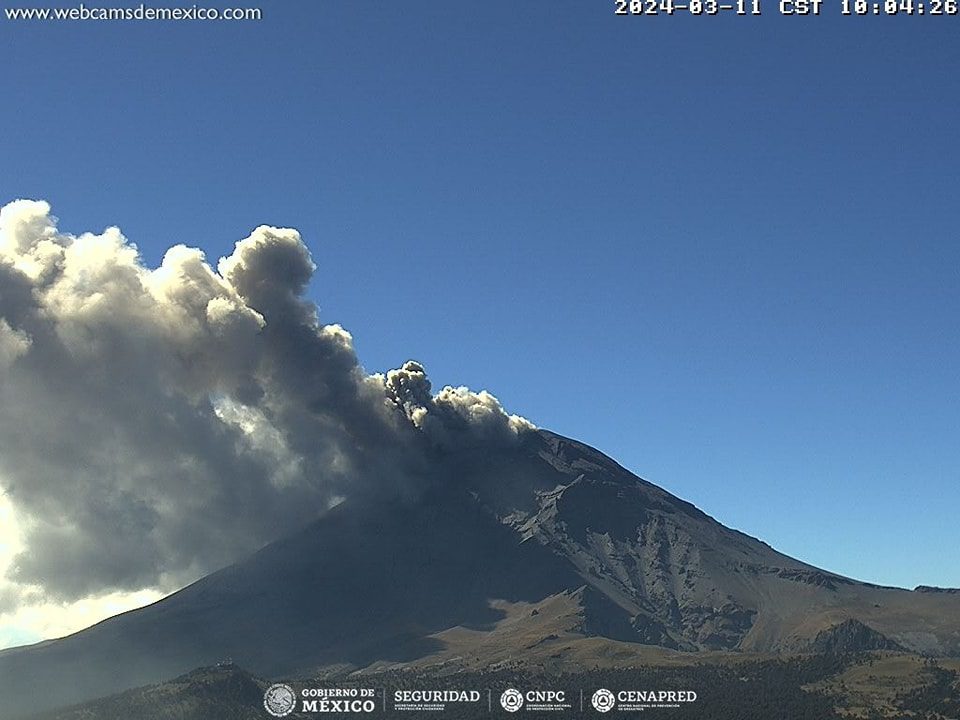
(512, 700)
(603, 700)
(279, 700)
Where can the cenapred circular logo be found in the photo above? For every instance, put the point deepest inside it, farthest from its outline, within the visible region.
(512, 700)
(603, 700)
(280, 700)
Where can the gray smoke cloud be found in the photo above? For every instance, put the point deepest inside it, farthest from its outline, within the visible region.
(158, 423)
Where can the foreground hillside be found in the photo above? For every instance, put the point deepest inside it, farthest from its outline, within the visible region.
(215, 693)
(817, 687)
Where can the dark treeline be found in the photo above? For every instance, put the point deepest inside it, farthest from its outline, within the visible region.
(747, 690)
(938, 699)
(758, 690)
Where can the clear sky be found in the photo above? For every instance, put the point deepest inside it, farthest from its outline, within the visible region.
(723, 250)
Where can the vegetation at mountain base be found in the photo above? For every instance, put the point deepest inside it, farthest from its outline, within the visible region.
(829, 686)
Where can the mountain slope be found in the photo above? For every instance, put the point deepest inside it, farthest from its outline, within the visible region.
(550, 526)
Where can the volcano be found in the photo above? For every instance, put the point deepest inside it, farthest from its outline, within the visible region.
(547, 551)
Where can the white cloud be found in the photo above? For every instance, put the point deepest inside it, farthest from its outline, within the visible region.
(13, 344)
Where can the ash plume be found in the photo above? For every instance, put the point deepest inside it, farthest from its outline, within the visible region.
(158, 423)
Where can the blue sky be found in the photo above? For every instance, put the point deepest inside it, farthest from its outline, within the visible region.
(721, 249)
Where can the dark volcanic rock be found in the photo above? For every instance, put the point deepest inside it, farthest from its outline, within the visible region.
(852, 636)
(813, 577)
